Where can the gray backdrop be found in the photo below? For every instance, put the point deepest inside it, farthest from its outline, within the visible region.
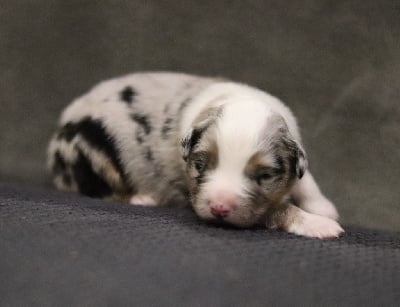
(336, 63)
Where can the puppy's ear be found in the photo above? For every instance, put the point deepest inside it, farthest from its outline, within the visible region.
(202, 122)
(297, 157)
(189, 141)
(291, 149)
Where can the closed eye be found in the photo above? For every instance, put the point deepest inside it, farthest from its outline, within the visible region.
(200, 161)
(199, 165)
(263, 174)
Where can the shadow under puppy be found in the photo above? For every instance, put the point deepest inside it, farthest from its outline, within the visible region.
(233, 151)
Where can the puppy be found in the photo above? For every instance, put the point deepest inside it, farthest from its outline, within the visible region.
(230, 150)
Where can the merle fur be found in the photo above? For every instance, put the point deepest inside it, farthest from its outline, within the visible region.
(59, 164)
(190, 141)
(149, 155)
(93, 131)
(89, 183)
(143, 121)
(127, 94)
(166, 127)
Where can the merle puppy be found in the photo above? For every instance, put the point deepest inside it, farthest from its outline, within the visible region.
(233, 151)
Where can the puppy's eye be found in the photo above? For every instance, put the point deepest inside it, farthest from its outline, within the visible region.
(262, 178)
(199, 161)
(200, 165)
(262, 175)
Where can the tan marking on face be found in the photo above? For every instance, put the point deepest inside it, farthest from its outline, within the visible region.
(257, 160)
(206, 149)
(275, 188)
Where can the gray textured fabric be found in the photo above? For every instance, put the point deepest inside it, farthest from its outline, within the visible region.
(336, 63)
(60, 249)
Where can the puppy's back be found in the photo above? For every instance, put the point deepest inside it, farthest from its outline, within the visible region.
(120, 138)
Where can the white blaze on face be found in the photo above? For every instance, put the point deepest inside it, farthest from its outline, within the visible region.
(237, 138)
(224, 187)
(238, 132)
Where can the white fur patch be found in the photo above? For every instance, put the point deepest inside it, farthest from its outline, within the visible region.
(315, 226)
(321, 206)
(142, 200)
(307, 194)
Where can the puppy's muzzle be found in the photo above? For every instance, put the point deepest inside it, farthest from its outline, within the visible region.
(222, 205)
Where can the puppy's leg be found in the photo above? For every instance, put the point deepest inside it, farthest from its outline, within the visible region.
(142, 200)
(295, 220)
(309, 198)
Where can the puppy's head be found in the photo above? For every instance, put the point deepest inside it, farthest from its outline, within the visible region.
(240, 161)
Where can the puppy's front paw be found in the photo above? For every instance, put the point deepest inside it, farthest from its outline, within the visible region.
(321, 206)
(315, 226)
(142, 200)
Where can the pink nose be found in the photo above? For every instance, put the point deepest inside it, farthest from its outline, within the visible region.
(222, 206)
(219, 210)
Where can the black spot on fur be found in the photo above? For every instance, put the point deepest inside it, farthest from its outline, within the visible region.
(89, 183)
(139, 137)
(166, 127)
(300, 170)
(67, 132)
(143, 121)
(149, 155)
(196, 135)
(59, 165)
(95, 134)
(127, 94)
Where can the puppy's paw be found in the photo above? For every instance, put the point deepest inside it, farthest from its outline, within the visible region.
(321, 206)
(315, 226)
(142, 200)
